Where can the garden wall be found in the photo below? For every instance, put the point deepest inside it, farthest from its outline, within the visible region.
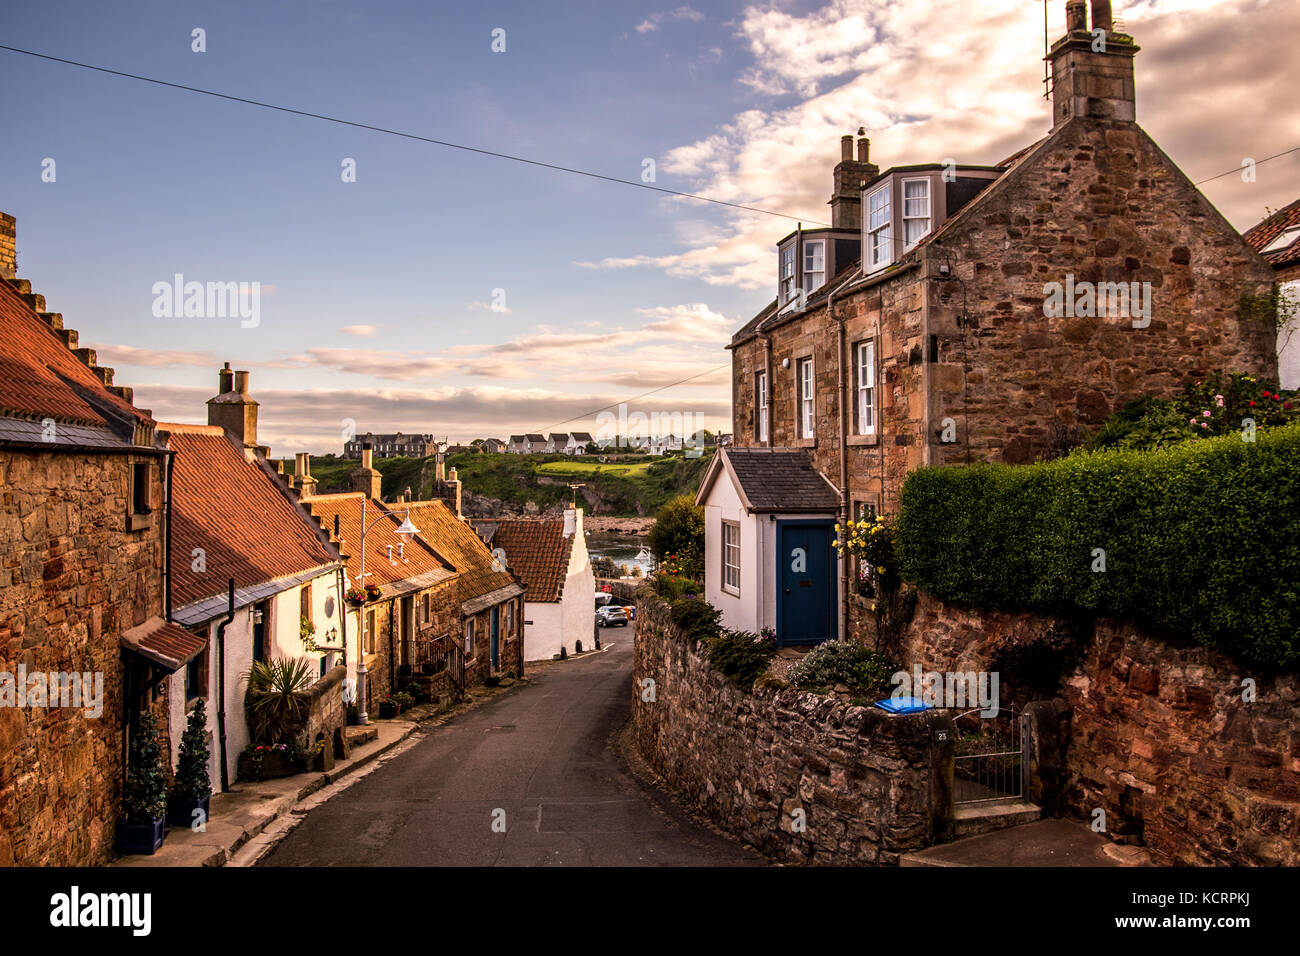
(870, 785)
(1159, 736)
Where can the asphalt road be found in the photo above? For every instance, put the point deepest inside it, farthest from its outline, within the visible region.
(546, 756)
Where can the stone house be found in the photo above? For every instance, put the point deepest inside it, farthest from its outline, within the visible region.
(967, 326)
(494, 446)
(392, 446)
(84, 640)
(251, 564)
(549, 557)
(1277, 239)
(491, 625)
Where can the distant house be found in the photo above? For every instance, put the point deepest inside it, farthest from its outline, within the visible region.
(1277, 239)
(494, 446)
(578, 442)
(526, 444)
(392, 446)
(233, 519)
(769, 519)
(549, 556)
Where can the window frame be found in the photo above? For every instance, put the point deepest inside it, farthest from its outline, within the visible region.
(806, 405)
(196, 670)
(865, 389)
(730, 528)
(928, 218)
(470, 652)
(884, 231)
(762, 403)
(820, 245)
(785, 278)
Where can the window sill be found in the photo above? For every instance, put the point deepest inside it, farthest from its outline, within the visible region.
(733, 592)
(864, 440)
(804, 443)
(135, 522)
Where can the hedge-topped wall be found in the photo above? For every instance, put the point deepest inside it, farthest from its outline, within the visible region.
(1200, 541)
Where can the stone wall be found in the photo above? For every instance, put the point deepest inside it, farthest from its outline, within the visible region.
(1159, 734)
(8, 248)
(870, 786)
(72, 578)
(326, 717)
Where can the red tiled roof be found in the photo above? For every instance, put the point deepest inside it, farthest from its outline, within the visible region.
(231, 508)
(537, 551)
(170, 646)
(1265, 232)
(41, 377)
(414, 559)
(458, 544)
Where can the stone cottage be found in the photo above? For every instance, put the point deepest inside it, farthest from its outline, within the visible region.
(234, 520)
(84, 640)
(956, 313)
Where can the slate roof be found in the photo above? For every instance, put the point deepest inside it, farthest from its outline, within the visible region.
(537, 551)
(41, 377)
(773, 480)
(415, 560)
(1265, 232)
(456, 542)
(234, 510)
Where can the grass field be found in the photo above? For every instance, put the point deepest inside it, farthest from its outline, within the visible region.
(582, 469)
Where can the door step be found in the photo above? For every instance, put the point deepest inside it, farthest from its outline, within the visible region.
(974, 819)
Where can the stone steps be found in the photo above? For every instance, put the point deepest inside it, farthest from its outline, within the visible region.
(974, 819)
(361, 735)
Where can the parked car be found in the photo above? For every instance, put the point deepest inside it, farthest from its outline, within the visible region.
(611, 617)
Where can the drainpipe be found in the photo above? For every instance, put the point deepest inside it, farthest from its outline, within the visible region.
(767, 375)
(845, 500)
(221, 682)
(167, 552)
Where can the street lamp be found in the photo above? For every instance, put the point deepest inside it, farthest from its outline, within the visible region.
(406, 531)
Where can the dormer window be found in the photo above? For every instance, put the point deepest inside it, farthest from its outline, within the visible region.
(1281, 242)
(814, 266)
(879, 235)
(787, 273)
(916, 211)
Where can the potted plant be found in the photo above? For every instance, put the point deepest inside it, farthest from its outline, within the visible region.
(373, 593)
(403, 700)
(389, 708)
(354, 717)
(192, 789)
(144, 798)
(355, 597)
(276, 697)
(307, 632)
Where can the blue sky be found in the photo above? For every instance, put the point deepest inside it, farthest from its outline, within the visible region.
(612, 290)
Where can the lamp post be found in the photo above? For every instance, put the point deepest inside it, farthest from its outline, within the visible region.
(406, 531)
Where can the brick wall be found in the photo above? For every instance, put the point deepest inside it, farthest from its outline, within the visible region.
(862, 778)
(1160, 736)
(71, 580)
(8, 247)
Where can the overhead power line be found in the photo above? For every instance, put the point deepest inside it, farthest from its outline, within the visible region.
(405, 135)
(635, 398)
(1260, 162)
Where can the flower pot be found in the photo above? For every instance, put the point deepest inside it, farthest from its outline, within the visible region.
(180, 811)
(141, 838)
(388, 710)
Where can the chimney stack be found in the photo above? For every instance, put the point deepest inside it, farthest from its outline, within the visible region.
(8, 246)
(846, 200)
(367, 456)
(233, 409)
(365, 478)
(302, 470)
(1092, 78)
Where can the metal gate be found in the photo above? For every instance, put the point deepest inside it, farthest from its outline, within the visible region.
(988, 757)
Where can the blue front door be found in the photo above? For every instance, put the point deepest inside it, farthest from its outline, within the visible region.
(805, 581)
(496, 637)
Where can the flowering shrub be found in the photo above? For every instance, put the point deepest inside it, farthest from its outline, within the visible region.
(1219, 404)
(843, 662)
(871, 541)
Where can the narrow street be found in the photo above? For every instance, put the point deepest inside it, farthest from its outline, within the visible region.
(546, 755)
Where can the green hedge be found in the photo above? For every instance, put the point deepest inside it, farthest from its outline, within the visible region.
(1202, 539)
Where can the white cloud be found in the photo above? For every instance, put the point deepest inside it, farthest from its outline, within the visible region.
(655, 20)
(364, 331)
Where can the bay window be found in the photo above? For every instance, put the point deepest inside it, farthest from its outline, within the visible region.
(814, 266)
(879, 233)
(787, 273)
(731, 557)
(916, 210)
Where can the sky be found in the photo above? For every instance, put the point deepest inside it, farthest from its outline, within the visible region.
(465, 295)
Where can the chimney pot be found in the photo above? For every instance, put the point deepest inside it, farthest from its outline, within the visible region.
(1102, 17)
(241, 383)
(367, 456)
(225, 378)
(846, 148)
(864, 150)
(1076, 17)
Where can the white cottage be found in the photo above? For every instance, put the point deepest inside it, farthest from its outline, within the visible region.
(770, 559)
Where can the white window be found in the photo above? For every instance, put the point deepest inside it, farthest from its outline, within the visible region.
(866, 385)
(787, 273)
(469, 638)
(814, 266)
(760, 405)
(1281, 242)
(916, 210)
(879, 234)
(731, 556)
(805, 379)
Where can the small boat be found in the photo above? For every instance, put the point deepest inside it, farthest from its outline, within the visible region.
(644, 555)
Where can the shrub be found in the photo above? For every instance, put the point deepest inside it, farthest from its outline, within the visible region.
(144, 795)
(696, 620)
(741, 655)
(1199, 539)
(843, 662)
(276, 697)
(678, 532)
(191, 783)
